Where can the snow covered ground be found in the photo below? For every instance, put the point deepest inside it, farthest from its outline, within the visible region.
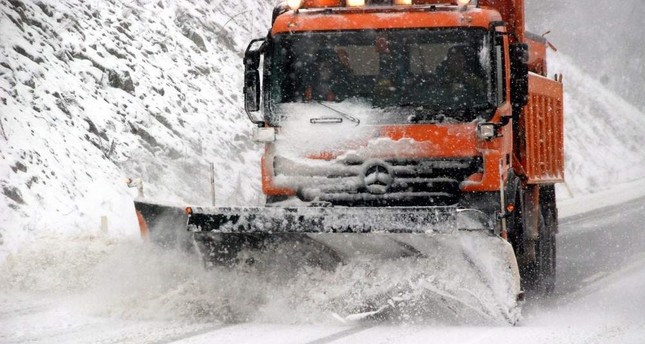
(95, 289)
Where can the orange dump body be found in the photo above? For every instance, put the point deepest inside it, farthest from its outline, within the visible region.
(541, 148)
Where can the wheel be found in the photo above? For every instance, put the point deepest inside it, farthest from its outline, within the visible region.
(537, 271)
(538, 276)
(546, 248)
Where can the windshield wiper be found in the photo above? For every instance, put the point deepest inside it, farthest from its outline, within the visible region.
(326, 120)
(349, 117)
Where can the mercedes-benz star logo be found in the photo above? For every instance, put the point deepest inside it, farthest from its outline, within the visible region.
(377, 177)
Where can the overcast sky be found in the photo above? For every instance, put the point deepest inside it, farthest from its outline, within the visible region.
(607, 38)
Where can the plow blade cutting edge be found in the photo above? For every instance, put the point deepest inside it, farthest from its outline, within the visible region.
(448, 257)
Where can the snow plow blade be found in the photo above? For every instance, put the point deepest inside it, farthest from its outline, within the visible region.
(335, 220)
(448, 257)
(164, 225)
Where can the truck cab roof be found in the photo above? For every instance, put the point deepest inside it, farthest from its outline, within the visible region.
(383, 17)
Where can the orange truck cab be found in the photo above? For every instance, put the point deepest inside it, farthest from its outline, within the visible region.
(396, 103)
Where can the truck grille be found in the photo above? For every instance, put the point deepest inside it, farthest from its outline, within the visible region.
(393, 182)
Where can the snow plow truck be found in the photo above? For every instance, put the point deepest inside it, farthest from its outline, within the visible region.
(394, 130)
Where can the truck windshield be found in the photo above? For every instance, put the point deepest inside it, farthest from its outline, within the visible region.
(434, 71)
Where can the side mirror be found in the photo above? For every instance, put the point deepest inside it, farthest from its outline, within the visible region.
(252, 94)
(519, 53)
(251, 91)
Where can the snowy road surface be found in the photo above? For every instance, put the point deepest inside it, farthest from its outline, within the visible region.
(600, 299)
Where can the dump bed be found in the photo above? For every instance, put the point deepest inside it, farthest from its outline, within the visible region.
(541, 147)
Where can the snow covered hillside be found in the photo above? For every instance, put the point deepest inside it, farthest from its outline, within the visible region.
(94, 92)
(604, 142)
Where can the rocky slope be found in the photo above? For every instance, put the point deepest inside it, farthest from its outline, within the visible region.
(94, 92)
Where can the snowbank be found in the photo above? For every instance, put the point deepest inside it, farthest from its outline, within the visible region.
(604, 142)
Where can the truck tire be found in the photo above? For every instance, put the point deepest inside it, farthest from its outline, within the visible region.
(549, 212)
(537, 274)
(538, 277)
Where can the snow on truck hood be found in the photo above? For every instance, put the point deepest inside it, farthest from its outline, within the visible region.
(347, 131)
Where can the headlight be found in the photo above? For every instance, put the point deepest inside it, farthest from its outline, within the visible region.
(486, 131)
